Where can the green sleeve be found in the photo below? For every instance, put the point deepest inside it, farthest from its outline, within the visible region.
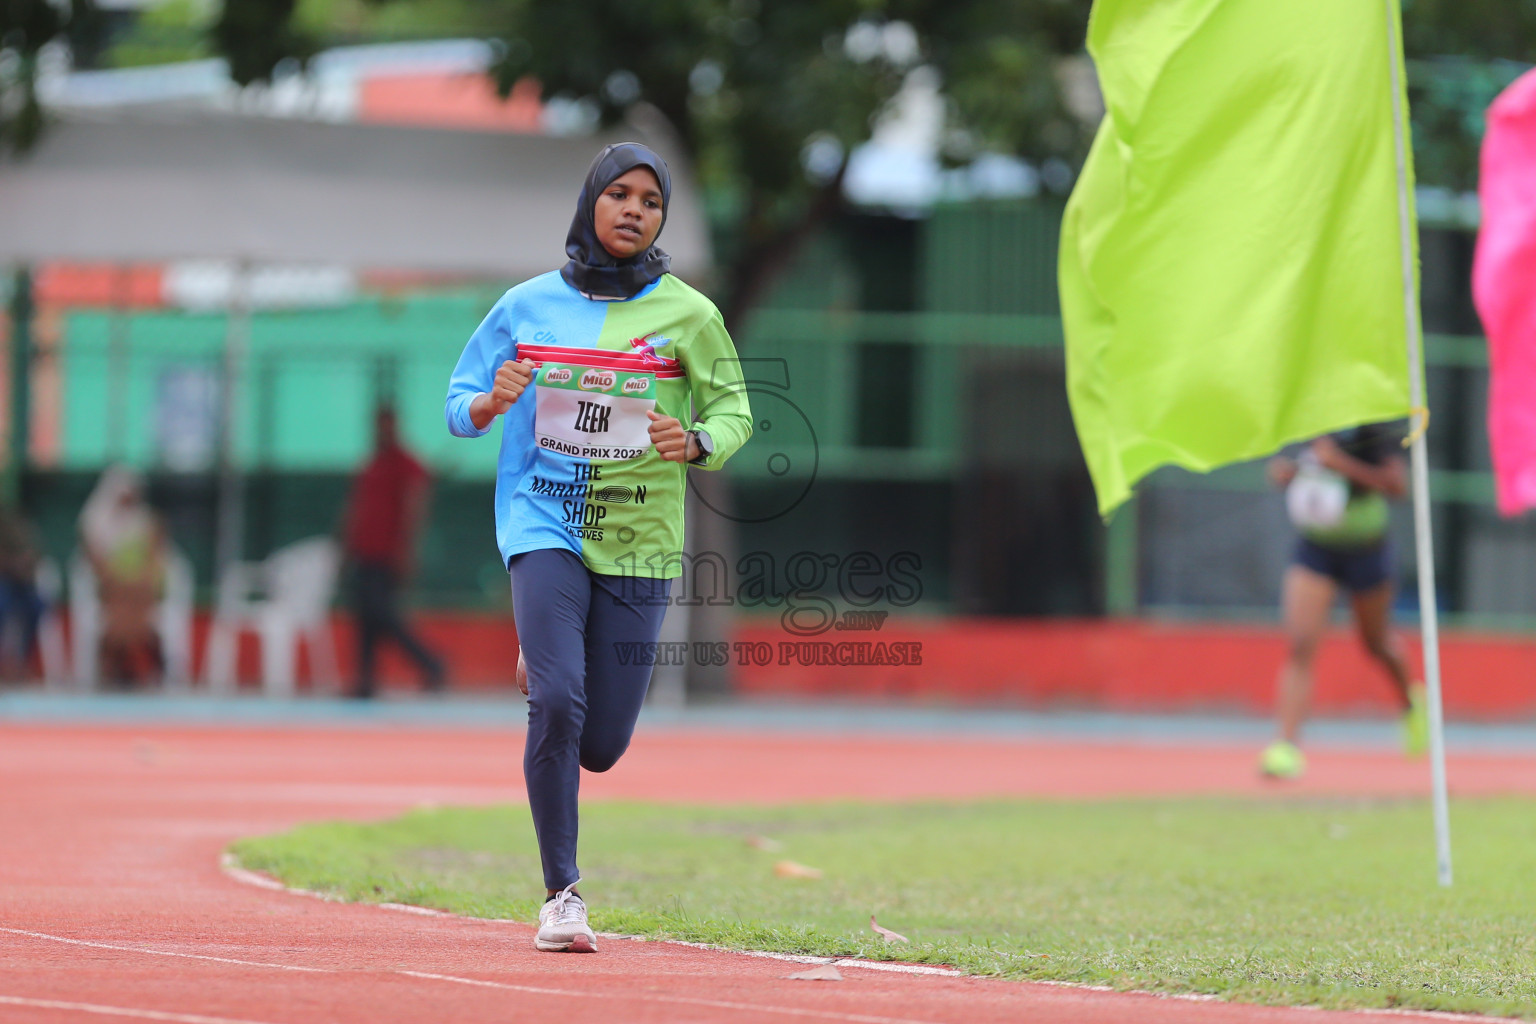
(719, 394)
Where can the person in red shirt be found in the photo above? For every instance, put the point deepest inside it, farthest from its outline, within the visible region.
(386, 508)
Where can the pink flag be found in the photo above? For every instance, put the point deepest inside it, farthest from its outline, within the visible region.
(1504, 288)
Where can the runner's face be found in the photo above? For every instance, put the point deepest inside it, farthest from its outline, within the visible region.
(627, 214)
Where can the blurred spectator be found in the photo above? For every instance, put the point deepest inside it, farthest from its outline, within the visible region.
(20, 605)
(384, 513)
(125, 543)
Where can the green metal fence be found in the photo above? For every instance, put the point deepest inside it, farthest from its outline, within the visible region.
(884, 390)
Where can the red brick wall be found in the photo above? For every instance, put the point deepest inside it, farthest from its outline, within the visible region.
(1110, 665)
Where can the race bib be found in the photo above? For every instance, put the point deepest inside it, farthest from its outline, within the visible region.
(1316, 498)
(589, 412)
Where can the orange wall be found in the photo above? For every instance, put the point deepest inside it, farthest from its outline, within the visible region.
(449, 100)
(1134, 665)
(480, 651)
(1111, 665)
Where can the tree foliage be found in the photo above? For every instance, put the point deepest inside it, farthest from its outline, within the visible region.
(255, 36)
(1462, 53)
(26, 28)
(1471, 28)
(769, 98)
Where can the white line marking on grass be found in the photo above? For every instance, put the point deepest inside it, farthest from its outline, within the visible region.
(881, 965)
(162, 952)
(232, 868)
(230, 865)
(122, 1011)
(714, 1004)
(1437, 1015)
(1364, 1011)
(406, 908)
(801, 958)
(239, 874)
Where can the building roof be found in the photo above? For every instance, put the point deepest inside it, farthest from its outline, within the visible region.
(158, 186)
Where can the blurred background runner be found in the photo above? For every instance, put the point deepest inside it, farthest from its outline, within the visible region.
(1337, 493)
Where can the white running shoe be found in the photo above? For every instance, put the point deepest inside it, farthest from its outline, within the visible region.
(563, 925)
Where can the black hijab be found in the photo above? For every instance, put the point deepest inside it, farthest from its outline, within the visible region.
(593, 269)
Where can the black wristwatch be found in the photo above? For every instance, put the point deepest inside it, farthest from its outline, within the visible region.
(705, 442)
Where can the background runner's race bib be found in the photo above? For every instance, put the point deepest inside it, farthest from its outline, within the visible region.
(590, 412)
(1316, 497)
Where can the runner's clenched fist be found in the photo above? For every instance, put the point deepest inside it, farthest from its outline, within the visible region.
(672, 442)
(511, 380)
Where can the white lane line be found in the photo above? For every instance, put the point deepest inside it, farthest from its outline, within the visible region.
(231, 867)
(881, 965)
(714, 1004)
(1468, 1018)
(163, 952)
(1365, 1011)
(851, 1018)
(122, 1011)
(240, 874)
(790, 958)
(406, 908)
(684, 1000)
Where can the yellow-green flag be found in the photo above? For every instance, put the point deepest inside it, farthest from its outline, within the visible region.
(1231, 266)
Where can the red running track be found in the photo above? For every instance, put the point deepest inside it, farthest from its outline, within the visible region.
(113, 905)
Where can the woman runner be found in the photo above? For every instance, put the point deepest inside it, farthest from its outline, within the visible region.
(1337, 494)
(595, 368)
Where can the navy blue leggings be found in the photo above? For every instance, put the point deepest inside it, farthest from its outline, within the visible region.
(584, 693)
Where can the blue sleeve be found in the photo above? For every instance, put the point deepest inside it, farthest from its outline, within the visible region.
(488, 348)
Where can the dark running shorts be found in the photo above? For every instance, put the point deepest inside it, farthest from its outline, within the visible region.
(1355, 569)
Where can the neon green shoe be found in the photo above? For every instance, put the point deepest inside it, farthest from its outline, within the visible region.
(1416, 723)
(1282, 760)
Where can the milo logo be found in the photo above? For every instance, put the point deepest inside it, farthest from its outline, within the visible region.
(635, 385)
(557, 376)
(597, 380)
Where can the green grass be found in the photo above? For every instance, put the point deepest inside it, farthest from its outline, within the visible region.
(1324, 903)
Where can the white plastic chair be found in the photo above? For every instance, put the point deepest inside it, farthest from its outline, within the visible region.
(173, 621)
(50, 629)
(283, 599)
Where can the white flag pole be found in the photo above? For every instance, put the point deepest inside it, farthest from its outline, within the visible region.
(1419, 453)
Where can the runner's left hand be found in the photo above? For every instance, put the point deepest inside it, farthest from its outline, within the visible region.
(1329, 455)
(672, 442)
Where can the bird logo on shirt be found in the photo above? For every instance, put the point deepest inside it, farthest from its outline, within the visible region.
(647, 344)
